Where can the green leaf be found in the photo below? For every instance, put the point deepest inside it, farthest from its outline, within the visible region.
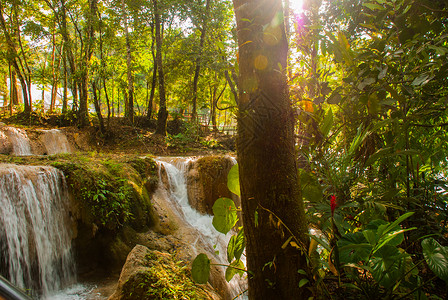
(311, 189)
(353, 248)
(335, 98)
(236, 246)
(240, 244)
(388, 265)
(201, 268)
(327, 123)
(302, 282)
(420, 80)
(351, 286)
(224, 215)
(233, 180)
(302, 271)
(394, 224)
(231, 249)
(237, 267)
(436, 257)
(373, 6)
(321, 242)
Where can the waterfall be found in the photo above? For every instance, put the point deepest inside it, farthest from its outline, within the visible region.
(55, 141)
(207, 236)
(20, 141)
(35, 236)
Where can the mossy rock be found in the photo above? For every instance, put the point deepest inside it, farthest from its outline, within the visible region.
(157, 275)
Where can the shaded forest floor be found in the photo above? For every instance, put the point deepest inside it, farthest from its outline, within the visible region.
(183, 139)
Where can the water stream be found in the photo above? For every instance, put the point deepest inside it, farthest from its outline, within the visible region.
(35, 237)
(55, 141)
(20, 141)
(207, 237)
(35, 229)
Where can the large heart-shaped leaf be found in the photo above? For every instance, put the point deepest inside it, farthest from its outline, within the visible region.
(436, 257)
(224, 215)
(353, 248)
(201, 268)
(388, 265)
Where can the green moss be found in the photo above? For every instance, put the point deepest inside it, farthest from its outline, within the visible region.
(164, 278)
(145, 166)
(110, 190)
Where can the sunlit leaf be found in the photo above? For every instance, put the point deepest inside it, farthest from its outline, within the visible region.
(233, 180)
(224, 215)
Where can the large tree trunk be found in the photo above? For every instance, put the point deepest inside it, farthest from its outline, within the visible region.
(194, 111)
(163, 113)
(271, 201)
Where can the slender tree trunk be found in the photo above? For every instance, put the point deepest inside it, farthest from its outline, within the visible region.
(129, 113)
(198, 60)
(154, 75)
(65, 97)
(113, 98)
(14, 91)
(13, 58)
(103, 70)
(53, 69)
(83, 115)
(163, 113)
(26, 71)
(273, 210)
(232, 86)
(56, 75)
(68, 52)
(5, 91)
(96, 103)
(108, 103)
(118, 102)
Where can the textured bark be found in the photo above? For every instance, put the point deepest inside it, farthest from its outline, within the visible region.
(163, 113)
(272, 206)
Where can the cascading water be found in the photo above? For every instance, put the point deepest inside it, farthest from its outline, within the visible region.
(35, 236)
(55, 142)
(20, 141)
(207, 236)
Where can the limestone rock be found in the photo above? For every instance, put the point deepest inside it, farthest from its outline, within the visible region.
(207, 181)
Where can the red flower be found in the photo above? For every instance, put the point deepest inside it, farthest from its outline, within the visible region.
(332, 204)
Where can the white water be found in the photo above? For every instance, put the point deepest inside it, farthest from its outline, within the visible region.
(35, 237)
(176, 170)
(55, 142)
(19, 140)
